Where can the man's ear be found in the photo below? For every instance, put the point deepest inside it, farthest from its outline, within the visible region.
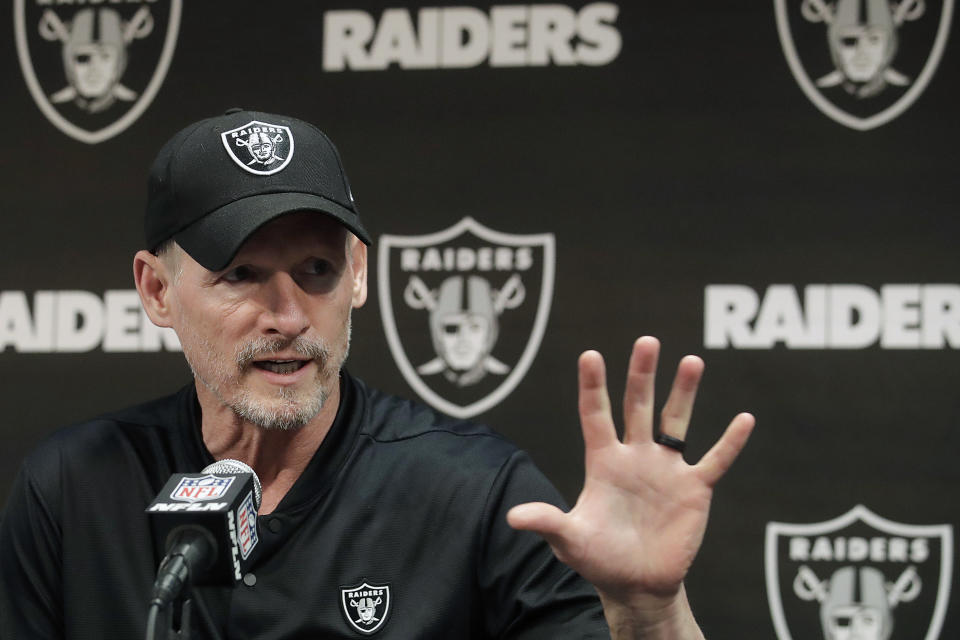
(154, 281)
(358, 256)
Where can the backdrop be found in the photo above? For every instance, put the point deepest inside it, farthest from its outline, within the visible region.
(768, 184)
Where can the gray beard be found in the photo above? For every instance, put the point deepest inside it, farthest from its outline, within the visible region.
(293, 416)
(294, 413)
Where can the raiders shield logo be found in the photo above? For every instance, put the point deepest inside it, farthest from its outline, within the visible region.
(93, 68)
(863, 62)
(259, 147)
(464, 311)
(858, 576)
(366, 607)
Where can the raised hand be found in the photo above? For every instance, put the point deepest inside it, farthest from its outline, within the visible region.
(641, 516)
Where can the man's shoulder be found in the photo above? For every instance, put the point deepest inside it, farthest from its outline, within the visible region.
(159, 412)
(391, 417)
(469, 456)
(95, 439)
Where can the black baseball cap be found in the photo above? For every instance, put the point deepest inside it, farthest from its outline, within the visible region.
(218, 180)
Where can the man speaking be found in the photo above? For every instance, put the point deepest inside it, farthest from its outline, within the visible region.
(378, 515)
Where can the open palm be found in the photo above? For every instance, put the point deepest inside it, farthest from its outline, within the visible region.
(641, 516)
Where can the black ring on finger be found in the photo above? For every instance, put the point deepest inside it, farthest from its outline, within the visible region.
(669, 441)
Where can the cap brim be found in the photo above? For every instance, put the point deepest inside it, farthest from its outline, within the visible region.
(214, 239)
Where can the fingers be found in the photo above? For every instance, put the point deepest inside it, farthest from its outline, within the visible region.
(638, 403)
(594, 402)
(541, 518)
(675, 417)
(722, 454)
(638, 395)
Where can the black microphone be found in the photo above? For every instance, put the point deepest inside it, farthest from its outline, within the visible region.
(207, 525)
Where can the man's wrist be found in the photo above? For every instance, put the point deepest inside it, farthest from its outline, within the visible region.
(651, 617)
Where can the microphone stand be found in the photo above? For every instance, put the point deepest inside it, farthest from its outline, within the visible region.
(189, 546)
(161, 621)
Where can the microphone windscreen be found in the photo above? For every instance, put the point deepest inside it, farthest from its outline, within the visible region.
(229, 467)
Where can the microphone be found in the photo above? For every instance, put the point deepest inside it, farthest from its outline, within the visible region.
(207, 525)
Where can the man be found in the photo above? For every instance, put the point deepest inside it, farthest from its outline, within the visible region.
(378, 515)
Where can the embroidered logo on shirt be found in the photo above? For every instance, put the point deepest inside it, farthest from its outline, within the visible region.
(201, 488)
(366, 607)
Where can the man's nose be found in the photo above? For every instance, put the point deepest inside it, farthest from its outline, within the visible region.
(285, 307)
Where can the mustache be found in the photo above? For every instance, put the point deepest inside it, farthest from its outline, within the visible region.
(315, 349)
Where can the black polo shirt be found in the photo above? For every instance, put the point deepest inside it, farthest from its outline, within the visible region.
(397, 528)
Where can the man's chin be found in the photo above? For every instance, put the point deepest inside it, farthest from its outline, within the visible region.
(272, 420)
(283, 414)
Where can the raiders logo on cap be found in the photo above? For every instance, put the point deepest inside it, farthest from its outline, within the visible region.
(260, 147)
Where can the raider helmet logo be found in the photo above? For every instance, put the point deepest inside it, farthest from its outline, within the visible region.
(858, 577)
(259, 147)
(94, 70)
(366, 608)
(876, 58)
(464, 311)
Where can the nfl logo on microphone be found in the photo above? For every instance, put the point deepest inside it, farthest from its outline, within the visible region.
(201, 488)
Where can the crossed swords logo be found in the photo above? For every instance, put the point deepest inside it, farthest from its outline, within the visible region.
(821, 11)
(366, 608)
(844, 610)
(255, 145)
(52, 29)
(808, 587)
(448, 322)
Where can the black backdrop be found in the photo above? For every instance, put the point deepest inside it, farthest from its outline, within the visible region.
(692, 158)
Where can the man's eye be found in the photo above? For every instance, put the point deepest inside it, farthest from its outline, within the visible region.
(319, 268)
(238, 274)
